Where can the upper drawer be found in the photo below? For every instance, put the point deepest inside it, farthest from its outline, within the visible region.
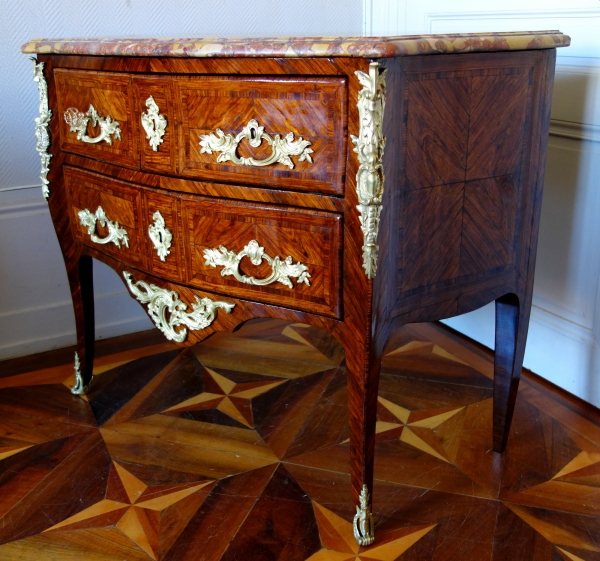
(96, 116)
(287, 133)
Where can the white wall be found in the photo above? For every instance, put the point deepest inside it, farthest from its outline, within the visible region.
(565, 321)
(35, 306)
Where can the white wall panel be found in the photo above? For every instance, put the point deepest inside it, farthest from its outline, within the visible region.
(36, 312)
(35, 308)
(563, 337)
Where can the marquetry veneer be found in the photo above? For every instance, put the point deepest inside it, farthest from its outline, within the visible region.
(200, 223)
(403, 187)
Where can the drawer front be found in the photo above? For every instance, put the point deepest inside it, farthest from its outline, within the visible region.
(96, 116)
(287, 133)
(278, 256)
(106, 215)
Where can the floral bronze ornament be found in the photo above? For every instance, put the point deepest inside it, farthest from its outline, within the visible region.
(160, 236)
(116, 234)
(363, 519)
(79, 388)
(154, 124)
(78, 122)
(281, 270)
(369, 145)
(169, 313)
(282, 148)
(42, 136)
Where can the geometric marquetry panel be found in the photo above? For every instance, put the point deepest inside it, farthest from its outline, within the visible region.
(431, 248)
(464, 164)
(489, 215)
(437, 131)
(497, 117)
(238, 449)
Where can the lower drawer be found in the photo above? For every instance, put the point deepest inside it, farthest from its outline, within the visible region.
(282, 256)
(277, 255)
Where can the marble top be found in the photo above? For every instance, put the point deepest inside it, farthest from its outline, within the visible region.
(367, 47)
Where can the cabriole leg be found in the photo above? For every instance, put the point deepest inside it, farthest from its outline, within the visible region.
(82, 292)
(512, 322)
(363, 382)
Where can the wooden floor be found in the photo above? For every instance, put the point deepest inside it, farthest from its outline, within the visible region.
(237, 449)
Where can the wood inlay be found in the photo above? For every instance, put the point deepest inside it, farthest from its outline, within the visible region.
(311, 238)
(136, 473)
(433, 245)
(121, 204)
(489, 221)
(499, 108)
(311, 109)
(164, 159)
(437, 131)
(111, 95)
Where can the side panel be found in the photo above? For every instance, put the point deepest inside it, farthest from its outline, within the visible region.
(469, 195)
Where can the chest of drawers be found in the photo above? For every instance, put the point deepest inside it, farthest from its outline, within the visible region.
(354, 184)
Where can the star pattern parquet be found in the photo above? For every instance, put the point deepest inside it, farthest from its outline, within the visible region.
(237, 449)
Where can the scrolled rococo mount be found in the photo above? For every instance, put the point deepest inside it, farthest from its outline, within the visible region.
(281, 270)
(154, 124)
(369, 145)
(282, 148)
(42, 135)
(355, 184)
(170, 314)
(78, 122)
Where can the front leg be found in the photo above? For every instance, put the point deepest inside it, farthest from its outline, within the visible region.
(82, 292)
(362, 368)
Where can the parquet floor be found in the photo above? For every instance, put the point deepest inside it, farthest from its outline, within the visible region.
(237, 450)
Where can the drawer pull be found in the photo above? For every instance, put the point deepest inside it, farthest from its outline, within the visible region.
(160, 235)
(154, 124)
(78, 122)
(283, 148)
(281, 270)
(116, 234)
(162, 302)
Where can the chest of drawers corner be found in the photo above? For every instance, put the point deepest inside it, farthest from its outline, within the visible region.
(355, 184)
